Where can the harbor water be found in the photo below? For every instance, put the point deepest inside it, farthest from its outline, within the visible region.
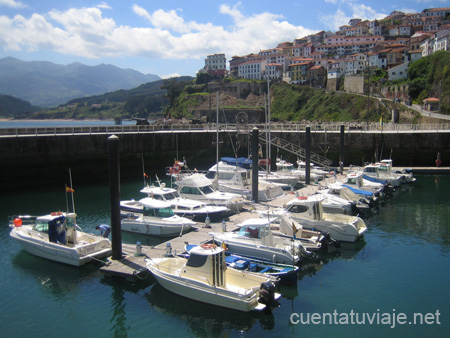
(394, 283)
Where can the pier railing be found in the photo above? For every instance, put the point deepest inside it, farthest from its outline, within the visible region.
(353, 127)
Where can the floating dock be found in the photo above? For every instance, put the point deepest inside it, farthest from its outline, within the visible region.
(132, 267)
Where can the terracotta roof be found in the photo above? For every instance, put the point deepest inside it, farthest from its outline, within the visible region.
(432, 99)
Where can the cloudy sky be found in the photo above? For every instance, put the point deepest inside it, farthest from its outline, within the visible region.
(172, 37)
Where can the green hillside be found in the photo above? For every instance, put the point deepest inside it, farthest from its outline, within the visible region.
(11, 107)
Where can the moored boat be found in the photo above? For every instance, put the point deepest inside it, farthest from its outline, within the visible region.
(57, 237)
(157, 219)
(205, 277)
(308, 211)
(286, 273)
(256, 240)
(184, 207)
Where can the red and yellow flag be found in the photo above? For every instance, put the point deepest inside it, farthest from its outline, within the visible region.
(69, 189)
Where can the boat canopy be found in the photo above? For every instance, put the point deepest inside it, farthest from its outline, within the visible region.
(195, 180)
(57, 230)
(240, 162)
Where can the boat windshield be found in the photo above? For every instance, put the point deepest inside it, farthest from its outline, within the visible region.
(171, 196)
(249, 231)
(207, 189)
(41, 226)
(190, 191)
(164, 212)
(196, 261)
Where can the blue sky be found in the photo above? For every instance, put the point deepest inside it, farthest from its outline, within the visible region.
(170, 38)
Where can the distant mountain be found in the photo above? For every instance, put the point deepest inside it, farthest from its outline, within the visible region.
(48, 84)
(11, 106)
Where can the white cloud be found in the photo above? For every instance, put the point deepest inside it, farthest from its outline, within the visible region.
(12, 4)
(87, 32)
(355, 10)
(103, 5)
(169, 76)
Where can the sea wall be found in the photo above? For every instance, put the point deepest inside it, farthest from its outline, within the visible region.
(40, 159)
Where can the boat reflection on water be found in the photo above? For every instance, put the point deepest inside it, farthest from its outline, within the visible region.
(207, 320)
(132, 238)
(56, 279)
(347, 251)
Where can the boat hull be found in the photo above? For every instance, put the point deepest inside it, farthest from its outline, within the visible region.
(76, 256)
(205, 293)
(153, 228)
(269, 254)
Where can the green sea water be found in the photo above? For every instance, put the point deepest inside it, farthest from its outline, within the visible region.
(399, 273)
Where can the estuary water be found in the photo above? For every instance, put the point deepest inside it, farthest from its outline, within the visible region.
(394, 283)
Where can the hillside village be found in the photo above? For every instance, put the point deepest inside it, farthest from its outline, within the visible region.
(321, 60)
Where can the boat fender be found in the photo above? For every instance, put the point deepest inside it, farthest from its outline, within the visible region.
(17, 222)
(302, 197)
(56, 213)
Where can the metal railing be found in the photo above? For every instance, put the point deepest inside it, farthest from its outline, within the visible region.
(354, 127)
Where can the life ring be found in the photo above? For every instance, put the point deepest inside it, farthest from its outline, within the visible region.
(56, 213)
(208, 246)
(176, 168)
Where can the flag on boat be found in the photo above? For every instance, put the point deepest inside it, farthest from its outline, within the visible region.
(294, 230)
(69, 189)
(145, 175)
(224, 246)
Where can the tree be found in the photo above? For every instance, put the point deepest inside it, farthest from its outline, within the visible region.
(174, 88)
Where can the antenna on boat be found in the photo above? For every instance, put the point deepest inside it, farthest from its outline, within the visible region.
(144, 175)
(71, 190)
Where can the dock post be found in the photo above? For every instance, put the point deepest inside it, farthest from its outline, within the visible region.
(341, 153)
(308, 155)
(114, 186)
(255, 143)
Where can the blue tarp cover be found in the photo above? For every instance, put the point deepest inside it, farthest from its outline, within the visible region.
(358, 191)
(374, 179)
(240, 161)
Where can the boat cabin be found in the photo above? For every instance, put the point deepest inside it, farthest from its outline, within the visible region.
(59, 226)
(309, 207)
(155, 208)
(256, 228)
(160, 193)
(206, 263)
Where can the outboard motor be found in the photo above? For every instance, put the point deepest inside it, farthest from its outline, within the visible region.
(267, 293)
(326, 239)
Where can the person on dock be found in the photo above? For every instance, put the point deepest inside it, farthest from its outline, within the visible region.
(438, 159)
(104, 230)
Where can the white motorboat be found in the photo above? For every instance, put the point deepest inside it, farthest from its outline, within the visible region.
(57, 237)
(308, 211)
(198, 187)
(336, 205)
(313, 169)
(385, 166)
(157, 219)
(373, 170)
(184, 207)
(285, 182)
(287, 169)
(235, 175)
(205, 277)
(256, 240)
(344, 201)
